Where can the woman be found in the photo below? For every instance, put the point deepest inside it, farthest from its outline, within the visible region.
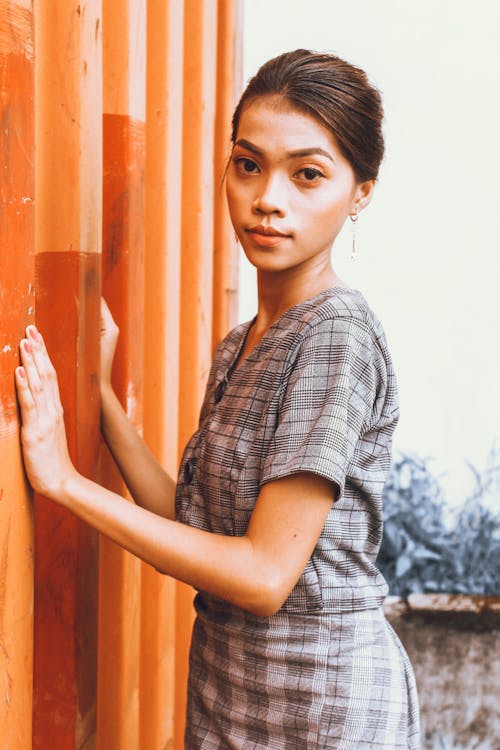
(276, 519)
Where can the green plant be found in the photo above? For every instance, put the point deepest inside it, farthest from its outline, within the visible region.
(420, 552)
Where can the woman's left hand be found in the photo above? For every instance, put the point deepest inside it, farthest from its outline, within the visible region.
(43, 435)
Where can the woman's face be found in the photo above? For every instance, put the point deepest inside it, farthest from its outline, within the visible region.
(289, 188)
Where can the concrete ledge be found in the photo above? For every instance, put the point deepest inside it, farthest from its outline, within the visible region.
(454, 645)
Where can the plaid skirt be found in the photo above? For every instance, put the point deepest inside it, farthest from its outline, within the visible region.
(296, 681)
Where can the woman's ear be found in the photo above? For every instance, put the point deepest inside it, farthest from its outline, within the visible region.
(362, 195)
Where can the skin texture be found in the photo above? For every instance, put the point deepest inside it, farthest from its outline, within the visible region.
(307, 198)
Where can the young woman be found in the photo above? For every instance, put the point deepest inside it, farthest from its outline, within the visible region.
(276, 519)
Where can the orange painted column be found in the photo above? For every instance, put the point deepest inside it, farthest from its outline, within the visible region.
(124, 36)
(161, 344)
(200, 44)
(16, 312)
(229, 80)
(67, 282)
(161, 176)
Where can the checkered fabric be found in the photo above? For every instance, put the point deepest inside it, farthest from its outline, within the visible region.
(298, 682)
(317, 394)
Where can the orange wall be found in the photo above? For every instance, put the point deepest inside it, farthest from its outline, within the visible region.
(68, 197)
(129, 104)
(16, 311)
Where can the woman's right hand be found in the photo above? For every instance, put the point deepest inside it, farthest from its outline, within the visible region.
(109, 337)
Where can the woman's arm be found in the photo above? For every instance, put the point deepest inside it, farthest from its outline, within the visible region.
(148, 482)
(256, 571)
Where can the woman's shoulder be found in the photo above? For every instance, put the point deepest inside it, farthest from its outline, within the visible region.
(336, 302)
(336, 314)
(340, 309)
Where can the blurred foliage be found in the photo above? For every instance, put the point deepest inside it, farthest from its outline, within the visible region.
(420, 552)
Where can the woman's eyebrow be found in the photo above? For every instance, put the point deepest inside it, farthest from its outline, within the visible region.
(249, 146)
(314, 150)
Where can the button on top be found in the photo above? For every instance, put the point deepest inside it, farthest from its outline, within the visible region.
(189, 471)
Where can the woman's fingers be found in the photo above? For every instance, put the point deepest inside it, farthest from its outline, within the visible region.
(109, 337)
(43, 434)
(24, 394)
(106, 316)
(40, 374)
(43, 363)
(107, 321)
(32, 377)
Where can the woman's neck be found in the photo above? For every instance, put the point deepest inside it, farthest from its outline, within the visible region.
(277, 293)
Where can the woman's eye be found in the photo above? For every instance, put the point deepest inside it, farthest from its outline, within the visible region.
(309, 174)
(246, 165)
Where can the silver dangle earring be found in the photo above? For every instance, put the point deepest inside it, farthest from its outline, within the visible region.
(354, 218)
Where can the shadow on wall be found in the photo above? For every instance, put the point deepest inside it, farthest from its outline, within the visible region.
(452, 637)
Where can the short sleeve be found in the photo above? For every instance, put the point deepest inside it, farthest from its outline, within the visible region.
(327, 402)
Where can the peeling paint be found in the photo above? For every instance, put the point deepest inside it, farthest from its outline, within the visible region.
(16, 30)
(7, 689)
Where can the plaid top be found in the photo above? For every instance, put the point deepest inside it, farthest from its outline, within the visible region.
(317, 394)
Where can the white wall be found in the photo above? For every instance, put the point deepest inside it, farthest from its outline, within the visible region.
(428, 246)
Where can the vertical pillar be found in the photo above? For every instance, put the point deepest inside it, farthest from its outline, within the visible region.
(161, 344)
(187, 248)
(229, 76)
(124, 30)
(16, 312)
(68, 243)
(200, 35)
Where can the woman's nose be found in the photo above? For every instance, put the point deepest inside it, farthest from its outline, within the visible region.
(270, 198)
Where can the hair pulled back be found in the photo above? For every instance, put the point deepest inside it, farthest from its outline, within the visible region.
(338, 94)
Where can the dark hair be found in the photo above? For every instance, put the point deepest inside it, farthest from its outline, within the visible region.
(333, 91)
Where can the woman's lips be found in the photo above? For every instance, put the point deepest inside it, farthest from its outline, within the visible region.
(266, 236)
